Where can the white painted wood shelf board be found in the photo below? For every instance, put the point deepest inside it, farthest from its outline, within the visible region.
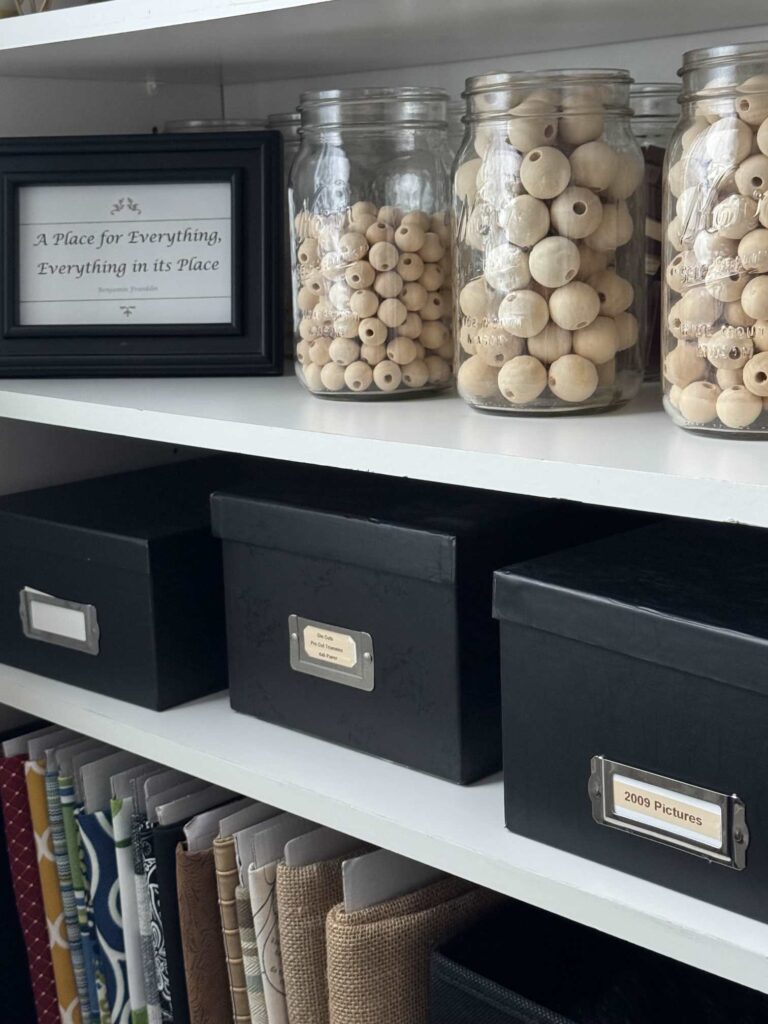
(457, 829)
(631, 458)
(255, 40)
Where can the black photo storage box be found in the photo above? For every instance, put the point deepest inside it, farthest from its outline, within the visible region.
(363, 615)
(635, 706)
(524, 966)
(114, 584)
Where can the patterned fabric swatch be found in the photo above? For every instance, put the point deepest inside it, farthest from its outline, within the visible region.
(15, 982)
(142, 851)
(59, 839)
(165, 839)
(97, 996)
(262, 883)
(103, 896)
(251, 962)
(122, 811)
(201, 938)
(227, 880)
(26, 886)
(157, 933)
(63, 972)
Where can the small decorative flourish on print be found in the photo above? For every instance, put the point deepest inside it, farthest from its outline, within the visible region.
(128, 311)
(125, 203)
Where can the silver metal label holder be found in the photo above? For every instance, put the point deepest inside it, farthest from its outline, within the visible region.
(360, 675)
(92, 634)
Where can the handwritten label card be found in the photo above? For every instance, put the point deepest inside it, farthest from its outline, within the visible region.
(117, 254)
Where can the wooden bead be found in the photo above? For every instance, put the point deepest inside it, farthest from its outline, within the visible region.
(390, 215)
(353, 246)
(726, 279)
(554, 261)
(465, 180)
(308, 252)
(572, 378)
(467, 337)
(522, 380)
(360, 275)
(309, 328)
(615, 293)
(756, 374)
(683, 365)
(477, 379)
(344, 351)
(630, 173)
(332, 376)
(574, 306)
(675, 234)
(387, 375)
(525, 221)
(524, 313)
(307, 299)
(495, 346)
(318, 351)
(550, 344)
(759, 335)
(432, 278)
(477, 300)
(379, 231)
(698, 402)
(506, 268)
(440, 224)
(674, 395)
(302, 352)
(752, 107)
(414, 296)
(752, 176)
(415, 374)
(727, 378)
(361, 224)
(446, 351)
(333, 266)
(737, 407)
(363, 208)
(531, 125)
(728, 141)
(418, 217)
(753, 252)
(383, 256)
(434, 308)
(312, 375)
(725, 350)
(410, 266)
(576, 213)
(434, 334)
(754, 298)
(438, 369)
(627, 331)
(409, 237)
(590, 262)
(364, 303)
(693, 313)
(401, 350)
(373, 354)
(733, 314)
(762, 137)
(346, 325)
(388, 284)
(710, 245)
(683, 271)
(420, 350)
(316, 283)
(614, 230)
(392, 312)
(358, 376)
(606, 374)
(411, 327)
(433, 249)
(597, 342)
(545, 172)
(594, 165)
(372, 331)
(578, 128)
(734, 216)
(339, 295)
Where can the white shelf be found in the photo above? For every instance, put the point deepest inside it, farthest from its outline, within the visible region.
(457, 829)
(254, 40)
(634, 458)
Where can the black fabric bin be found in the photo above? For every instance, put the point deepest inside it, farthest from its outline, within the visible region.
(525, 966)
(635, 706)
(403, 568)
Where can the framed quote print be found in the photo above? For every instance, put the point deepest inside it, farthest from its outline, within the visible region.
(157, 255)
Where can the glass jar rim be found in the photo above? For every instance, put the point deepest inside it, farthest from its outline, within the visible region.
(715, 56)
(368, 94)
(291, 117)
(652, 101)
(374, 108)
(582, 76)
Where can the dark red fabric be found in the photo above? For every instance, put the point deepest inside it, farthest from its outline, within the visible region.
(20, 840)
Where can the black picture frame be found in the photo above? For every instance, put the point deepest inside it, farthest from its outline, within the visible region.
(250, 344)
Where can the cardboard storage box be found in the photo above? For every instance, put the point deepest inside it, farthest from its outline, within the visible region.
(635, 706)
(362, 614)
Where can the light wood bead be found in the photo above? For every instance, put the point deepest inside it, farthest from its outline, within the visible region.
(683, 365)
(695, 310)
(333, 266)
(465, 180)
(683, 272)
(674, 395)
(759, 335)
(420, 350)
(506, 268)
(316, 283)
(524, 313)
(339, 295)
(309, 329)
(440, 225)
(363, 208)
(477, 300)
(728, 141)
(554, 261)
(525, 221)
(379, 232)
(594, 166)
(433, 249)
(361, 224)
(435, 308)
(754, 298)
(467, 337)
(531, 125)
(387, 376)
(432, 278)
(577, 213)
(762, 137)
(733, 314)
(434, 334)
(318, 351)
(725, 350)
(578, 128)
(438, 369)
(737, 407)
(752, 108)
(409, 237)
(312, 374)
(606, 374)
(383, 256)
(401, 350)
(756, 374)
(726, 280)
(392, 312)
(522, 379)
(751, 176)
(545, 172)
(550, 344)
(572, 378)
(727, 378)
(388, 284)
(419, 218)
(710, 245)
(410, 266)
(630, 173)
(753, 252)
(332, 376)
(360, 275)
(597, 342)
(591, 262)
(346, 325)
(308, 252)
(390, 215)
(373, 354)
(414, 296)
(675, 234)
(627, 331)
(614, 230)
(344, 351)
(698, 402)
(412, 326)
(495, 346)
(302, 352)
(415, 374)
(364, 303)
(307, 299)
(358, 376)
(574, 306)
(446, 351)
(325, 310)
(372, 331)
(734, 216)
(353, 246)
(477, 379)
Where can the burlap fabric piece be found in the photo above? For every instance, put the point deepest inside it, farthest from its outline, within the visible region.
(378, 958)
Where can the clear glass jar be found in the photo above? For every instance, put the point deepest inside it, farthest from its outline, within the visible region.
(656, 109)
(549, 208)
(214, 124)
(456, 127)
(370, 194)
(288, 124)
(715, 297)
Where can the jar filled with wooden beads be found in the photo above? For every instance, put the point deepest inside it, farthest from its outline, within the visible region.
(549, 209)
(715, 308)
(370, 194)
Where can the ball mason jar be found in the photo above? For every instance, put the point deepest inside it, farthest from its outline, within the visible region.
(656, 110)
(549, 227)
(370, 196)
(288, 124)
(715, 299)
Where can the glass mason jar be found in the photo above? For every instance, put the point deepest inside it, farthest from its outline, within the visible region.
(370, 193)
(456, 129)
(548, 207)
(715, 308)
(656, 110)
(288, 124)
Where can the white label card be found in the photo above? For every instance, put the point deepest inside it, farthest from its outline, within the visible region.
(52, 618)
(330, 646)
(685, 816)
(125, 254)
